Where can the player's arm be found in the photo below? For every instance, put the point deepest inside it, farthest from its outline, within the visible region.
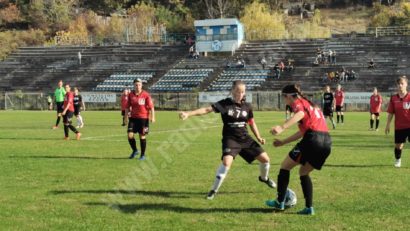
(83, 105)
(68, 106)
(152, 114)
(255, 131)
(296, 136)
(198, 112)
(389, 119)
(295, 118)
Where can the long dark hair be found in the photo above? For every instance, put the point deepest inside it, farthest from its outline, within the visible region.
(294, 91)
(237, 83)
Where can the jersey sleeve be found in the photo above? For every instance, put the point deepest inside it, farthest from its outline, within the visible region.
(128, 103)
(390, 109)
(297, 107)
(218, 107)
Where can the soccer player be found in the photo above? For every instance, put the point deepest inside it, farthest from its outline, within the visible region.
(59, 94)
(124, 103)
(236, 113)
(142, 110)
(78, 105)
(340, 100)
(399, 106)
(68, 112)
(328, 105)
(311, 152)
(376, 101)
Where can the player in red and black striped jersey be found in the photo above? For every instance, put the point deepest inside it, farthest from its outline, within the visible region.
(236, 114)
(142, 111)
(311, 152)
(78, 106)
(376, 101)
(399, 107)
(68, 112)
(340, 100)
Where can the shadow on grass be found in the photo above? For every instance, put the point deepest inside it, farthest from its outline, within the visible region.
(29, 138)
(357, 165)
(163, 194)
(70, 157)
(134, 208)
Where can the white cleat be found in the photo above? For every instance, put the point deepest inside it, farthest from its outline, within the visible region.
(397, 163)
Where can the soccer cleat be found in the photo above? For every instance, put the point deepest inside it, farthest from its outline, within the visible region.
(142, 158)
(82, 125)
(133, 154)
(123, 124)
(211, 195)
(269, 182)
(377, 130)
(66, 138)
(307, 211)
(78, 136)
(280, 206)
(78, 126)
(397, 163)
(371, 129)
(54, 127)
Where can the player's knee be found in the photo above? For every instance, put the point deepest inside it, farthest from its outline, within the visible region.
(130, 135)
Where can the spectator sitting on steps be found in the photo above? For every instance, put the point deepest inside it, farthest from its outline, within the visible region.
(263, 62)
(371, 64)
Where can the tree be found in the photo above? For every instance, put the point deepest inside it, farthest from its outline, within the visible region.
(260, 23)
(9, 13)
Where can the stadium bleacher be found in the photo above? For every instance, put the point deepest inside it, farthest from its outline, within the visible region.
(119, 81)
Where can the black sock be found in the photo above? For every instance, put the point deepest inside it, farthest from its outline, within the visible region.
(133, 144)
(307, 188)
(343, 118)
(397, 153)
(371, 123)
(58, 120)
(377, 123)
(337, 118)
(283, 182)
(143, 143)
(72, 128)
(65, 130)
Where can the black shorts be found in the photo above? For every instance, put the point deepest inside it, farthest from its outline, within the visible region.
(67, 117)
(137, 125)
(327, 111)
(314, 148)
(289, 108)
(400, 136)
(77, 110)
(247, 148)
(339, 108)
(60, 107)
(375, 114)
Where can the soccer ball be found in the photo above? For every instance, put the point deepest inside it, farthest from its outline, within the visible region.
(290, 198)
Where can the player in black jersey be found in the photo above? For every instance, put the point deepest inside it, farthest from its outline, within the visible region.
(78, 106)
(328, 105)
(236, 113)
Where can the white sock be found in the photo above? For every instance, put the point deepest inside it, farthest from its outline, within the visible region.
(264, 170)
(220, 176)
(79, 120)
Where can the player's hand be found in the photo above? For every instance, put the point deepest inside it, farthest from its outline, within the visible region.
(277, 143)
(183, 115)
(387, 130)
(261, 140)
(153, 120)
(63, 113)
(276, 130)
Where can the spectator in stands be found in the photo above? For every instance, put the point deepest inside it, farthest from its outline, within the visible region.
(79, 58)
(318, 51)
(240, 63)
(263, 62)
(316, 62)
(322, 57)
(196, 54)
(332, 76)
(325, 77)
(333, 56)
(342, 75)
(276, 71)
(371, 64)
(337, 76)
(289, 67)
(191, 52)
(281, 66)
(352, 75)
(189, 41)
(329, 56)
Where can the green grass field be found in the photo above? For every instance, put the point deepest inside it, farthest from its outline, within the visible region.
(47, 183)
